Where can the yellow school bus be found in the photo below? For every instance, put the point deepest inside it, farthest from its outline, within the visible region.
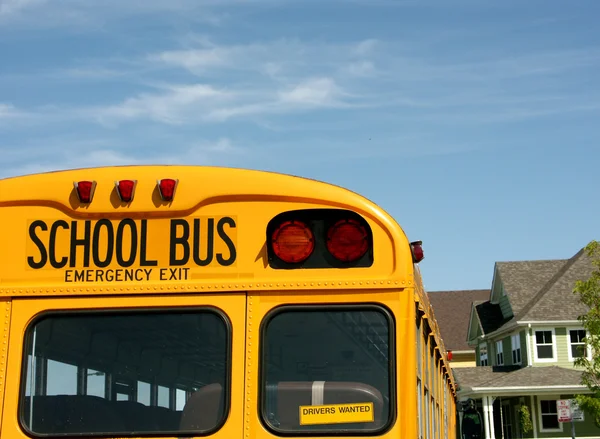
(170, 301)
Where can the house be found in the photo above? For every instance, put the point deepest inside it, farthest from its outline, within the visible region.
(452, 310)
(526, 336)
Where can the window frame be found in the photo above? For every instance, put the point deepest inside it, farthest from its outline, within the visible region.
(481, 355)
(553, 344)
(588, 350)
(539, 408)
(328, 307)
(164, 309)
(499, 352)
(514, 347)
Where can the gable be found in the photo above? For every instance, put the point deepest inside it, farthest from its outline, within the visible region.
(474, 329)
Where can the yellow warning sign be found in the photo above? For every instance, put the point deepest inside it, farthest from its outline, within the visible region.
(336, 413)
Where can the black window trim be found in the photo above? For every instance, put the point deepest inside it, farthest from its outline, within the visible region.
(187, 309)
(362, 306)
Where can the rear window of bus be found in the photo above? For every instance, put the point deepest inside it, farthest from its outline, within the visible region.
(328, 370)
(122, 372)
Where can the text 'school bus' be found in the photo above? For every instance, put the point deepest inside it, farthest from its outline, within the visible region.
(159, 301)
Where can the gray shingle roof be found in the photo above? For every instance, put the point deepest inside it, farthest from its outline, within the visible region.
(556, 301)
(452, 310)
(523, 279)
(502, 377)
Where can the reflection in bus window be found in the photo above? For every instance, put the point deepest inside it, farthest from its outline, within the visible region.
(151, 372)
(339, 361)
(96, 383)
(143, 393)
(61, 378)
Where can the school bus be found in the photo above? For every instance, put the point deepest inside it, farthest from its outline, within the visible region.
(170, 301)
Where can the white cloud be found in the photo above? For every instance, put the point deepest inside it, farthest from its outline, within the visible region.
(9, 111)
(61, 153)
(91, 16)
(365, 47)
(361, 68)
(185, 104)
(8, 7)
(313, 92)
(175, 105)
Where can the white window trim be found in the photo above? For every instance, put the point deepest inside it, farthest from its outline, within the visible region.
(588, 349)
(535, 352)
(539, 409)
(500, 344)
(512, 347)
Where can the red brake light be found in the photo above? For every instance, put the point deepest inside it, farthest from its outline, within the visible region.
(449, 356)
(125, 189)
(85, 190)
(166, 187)
(293, 242)
(417, 251)
(347, 240)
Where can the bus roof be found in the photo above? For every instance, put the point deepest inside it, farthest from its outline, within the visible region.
(46, 207)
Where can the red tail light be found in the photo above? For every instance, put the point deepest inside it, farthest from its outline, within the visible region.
(449, 356)
(347, 240)
(417, 251)
(85, 190)
(167, 187)
(125, 189)
(293, 242)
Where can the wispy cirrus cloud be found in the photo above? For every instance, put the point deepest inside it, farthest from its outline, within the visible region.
(76, 152)
(184, 104)
(9, 112)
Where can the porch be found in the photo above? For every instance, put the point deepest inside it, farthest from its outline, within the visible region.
(514, 402)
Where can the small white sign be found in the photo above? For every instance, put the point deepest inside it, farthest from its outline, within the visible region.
(576, 412)
(563, 407)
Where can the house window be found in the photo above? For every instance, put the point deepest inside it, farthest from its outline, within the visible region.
(499, 353)
(576, 344)
(515, 341)
(544, 345)
(483, 357)
(549, 415)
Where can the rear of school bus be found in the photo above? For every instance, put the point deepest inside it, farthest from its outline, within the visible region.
(187, 301)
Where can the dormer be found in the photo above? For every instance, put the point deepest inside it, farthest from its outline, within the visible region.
(498, 295)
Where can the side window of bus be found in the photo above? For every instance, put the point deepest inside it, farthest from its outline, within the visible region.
(118, 373)
(328, 369)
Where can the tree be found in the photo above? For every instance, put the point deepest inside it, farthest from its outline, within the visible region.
(589, 294)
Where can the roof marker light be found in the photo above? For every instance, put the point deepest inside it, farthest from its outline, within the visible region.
(85, 190)
(417, 251)
(166, 188)
(126, 189)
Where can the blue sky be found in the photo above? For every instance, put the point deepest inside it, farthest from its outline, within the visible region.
(474, 123)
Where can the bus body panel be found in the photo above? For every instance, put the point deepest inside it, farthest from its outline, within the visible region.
(6, 310)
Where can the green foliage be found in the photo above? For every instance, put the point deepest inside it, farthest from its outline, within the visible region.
(590, 404)
(525, 419)
(589, 294)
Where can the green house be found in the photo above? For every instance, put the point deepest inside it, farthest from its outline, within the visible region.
(526, 337)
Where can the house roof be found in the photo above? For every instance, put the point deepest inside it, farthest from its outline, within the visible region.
(538, 291)
(555, 301)
(523, 279)
(499, 379)
(452, 311)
